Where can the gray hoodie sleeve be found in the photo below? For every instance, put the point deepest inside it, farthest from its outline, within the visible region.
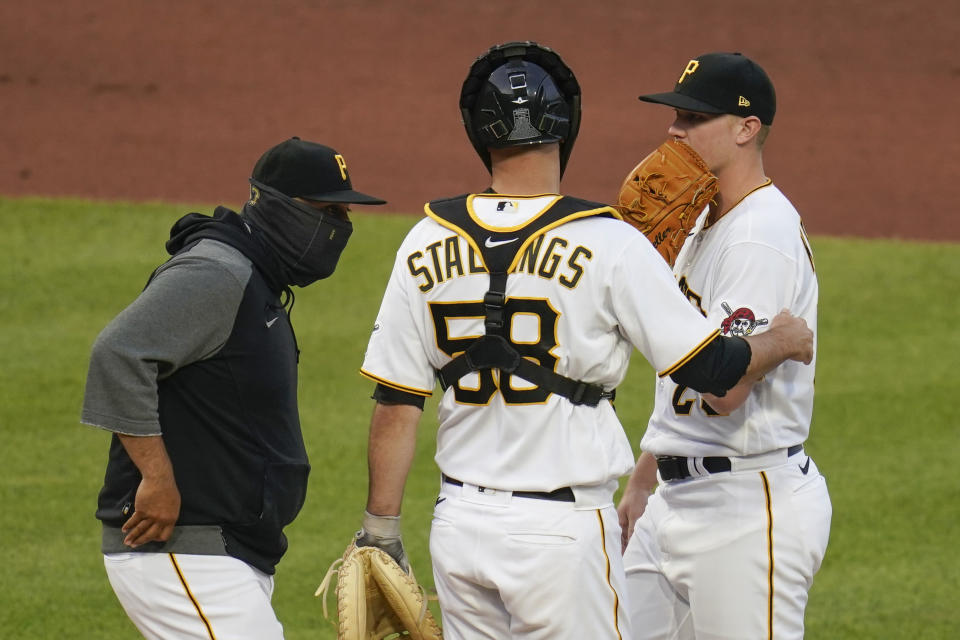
(185, 314)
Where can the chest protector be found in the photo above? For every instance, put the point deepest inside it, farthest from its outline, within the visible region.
(501, 252)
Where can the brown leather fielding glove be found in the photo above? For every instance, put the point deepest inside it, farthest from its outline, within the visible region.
(665, 193)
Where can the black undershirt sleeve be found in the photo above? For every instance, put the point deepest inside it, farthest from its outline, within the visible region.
(717, 368)
(388, 395)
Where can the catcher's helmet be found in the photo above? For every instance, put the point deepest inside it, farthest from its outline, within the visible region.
(520, 93)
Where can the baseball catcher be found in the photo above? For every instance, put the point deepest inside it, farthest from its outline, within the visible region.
(376, 597)
(665, 193)
(528, 345)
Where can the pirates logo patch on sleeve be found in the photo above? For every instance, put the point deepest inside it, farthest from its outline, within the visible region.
(741, 322)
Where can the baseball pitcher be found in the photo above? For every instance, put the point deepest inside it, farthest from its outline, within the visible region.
(728, 545)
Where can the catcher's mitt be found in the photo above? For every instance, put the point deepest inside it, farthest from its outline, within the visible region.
(665, 193)
(376, 598)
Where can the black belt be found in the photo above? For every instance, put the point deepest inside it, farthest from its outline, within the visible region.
(563, 494)
(675, 467)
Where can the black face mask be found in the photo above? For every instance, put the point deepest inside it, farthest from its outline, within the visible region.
(307, 243)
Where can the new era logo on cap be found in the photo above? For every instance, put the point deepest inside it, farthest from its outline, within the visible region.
(302, 169)
(722, 83)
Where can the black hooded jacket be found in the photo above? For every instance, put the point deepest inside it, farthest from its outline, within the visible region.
(228, 418)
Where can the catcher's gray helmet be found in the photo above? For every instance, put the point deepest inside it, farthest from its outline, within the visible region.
(520, 93)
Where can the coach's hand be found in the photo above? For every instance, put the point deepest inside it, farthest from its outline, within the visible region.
(156, 506)
(156, 509)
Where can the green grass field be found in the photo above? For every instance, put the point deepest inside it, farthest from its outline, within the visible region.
(885, 433)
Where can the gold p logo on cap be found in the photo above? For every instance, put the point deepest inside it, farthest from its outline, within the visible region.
(342, 164)
(691, 67)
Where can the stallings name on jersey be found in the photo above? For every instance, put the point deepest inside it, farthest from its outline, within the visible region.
(453, 257)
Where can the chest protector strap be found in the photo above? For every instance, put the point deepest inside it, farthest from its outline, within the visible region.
(501, 252)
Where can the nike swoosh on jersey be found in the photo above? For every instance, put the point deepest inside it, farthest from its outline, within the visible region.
(490, 243)
(805, 467)
(270, 322)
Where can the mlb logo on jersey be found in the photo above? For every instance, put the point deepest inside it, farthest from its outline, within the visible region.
(507, 206)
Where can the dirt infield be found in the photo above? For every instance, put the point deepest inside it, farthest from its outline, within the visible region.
(175, 100)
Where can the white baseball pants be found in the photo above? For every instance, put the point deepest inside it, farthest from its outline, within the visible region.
(175, 596)
(729, 555)
(516, 567)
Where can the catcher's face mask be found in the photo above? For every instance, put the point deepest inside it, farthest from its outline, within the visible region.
(306, 241)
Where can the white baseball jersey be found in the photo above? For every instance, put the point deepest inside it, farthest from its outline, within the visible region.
(733, 554)
(740, 272)
(580, 297)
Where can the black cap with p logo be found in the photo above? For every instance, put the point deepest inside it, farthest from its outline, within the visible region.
(302, 169)
(722, 83)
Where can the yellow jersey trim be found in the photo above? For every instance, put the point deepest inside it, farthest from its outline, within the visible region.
(502, 196)
(396, 385)
(710, 222)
